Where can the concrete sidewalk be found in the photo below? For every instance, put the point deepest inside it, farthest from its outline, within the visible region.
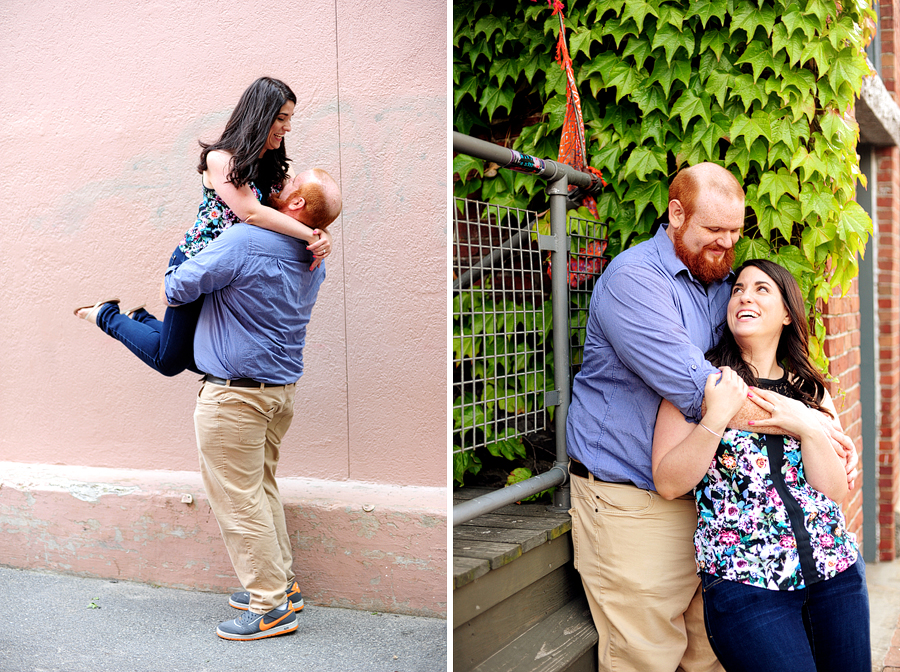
(58, 623)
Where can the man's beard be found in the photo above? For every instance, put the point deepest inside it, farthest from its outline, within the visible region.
(700, 267)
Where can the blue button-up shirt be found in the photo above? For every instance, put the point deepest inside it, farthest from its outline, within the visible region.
(649, 325)
(260, 295)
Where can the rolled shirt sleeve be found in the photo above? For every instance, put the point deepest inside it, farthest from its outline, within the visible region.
(646, 329)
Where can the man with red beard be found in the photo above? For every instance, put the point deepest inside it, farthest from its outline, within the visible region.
(654, 312)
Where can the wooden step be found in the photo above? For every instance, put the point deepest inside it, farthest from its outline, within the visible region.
(513, 582)
(566, 640)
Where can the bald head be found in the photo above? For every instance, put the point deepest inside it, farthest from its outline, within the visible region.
(311, 197)
(703, 178)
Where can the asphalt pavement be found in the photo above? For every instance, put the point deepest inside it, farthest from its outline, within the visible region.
(59, 623)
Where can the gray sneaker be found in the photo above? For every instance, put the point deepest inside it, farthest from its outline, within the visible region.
(248, 625)
(241, 600)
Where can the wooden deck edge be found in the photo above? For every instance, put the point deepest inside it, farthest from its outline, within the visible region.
(552, 645)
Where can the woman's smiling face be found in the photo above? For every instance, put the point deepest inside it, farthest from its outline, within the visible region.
(756, 307)
(280, 126)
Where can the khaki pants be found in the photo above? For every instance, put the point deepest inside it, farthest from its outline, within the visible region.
(635, 553)
(239, 432)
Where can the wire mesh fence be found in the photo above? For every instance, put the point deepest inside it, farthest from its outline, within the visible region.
(587, 260)
(503, 367)
(501, 316)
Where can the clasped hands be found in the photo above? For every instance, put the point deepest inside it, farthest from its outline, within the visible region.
(775, 414)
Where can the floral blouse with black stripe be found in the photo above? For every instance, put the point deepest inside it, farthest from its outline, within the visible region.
(213, 217)
(767, 526)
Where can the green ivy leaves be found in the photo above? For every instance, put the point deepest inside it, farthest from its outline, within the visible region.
(761, 88)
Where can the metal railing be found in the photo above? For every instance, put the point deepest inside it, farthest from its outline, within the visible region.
(500, 309)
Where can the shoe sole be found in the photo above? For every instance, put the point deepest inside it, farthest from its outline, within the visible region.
(280, 630)
(244, 607)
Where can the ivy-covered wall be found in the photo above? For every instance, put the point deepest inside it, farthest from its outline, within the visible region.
(764, 88)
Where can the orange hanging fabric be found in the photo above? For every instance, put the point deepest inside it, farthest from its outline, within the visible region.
(572, 147)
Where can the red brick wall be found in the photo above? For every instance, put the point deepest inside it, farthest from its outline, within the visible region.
(890, 59)
(887, 207)
(841, 315)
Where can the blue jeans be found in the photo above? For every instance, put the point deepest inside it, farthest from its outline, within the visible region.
(167, 346)
(824, 627)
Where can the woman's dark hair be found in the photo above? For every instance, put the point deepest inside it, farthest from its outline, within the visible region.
(245, 137)
(793, 346)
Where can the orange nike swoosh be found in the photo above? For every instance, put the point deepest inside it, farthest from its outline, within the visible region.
(263, 626)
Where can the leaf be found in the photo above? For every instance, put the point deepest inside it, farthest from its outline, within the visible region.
(779, 153)
(780, 37)
(784, 130)
(650, 98)
(748, 17)
(654, 127)
(747, 90)
(749, 128)
(820, 9)
(818, 52)
(670, 15)
(580, 41)
(714, 40)
(747, 248)
(468, 87)
(813, 237)
(774, 219)
(847, 68)
(833, 125)
(809, 164)
(618, 31)
(738, 155)
(708, 135)
(638, 48)
(759, 58)
(719, 86)
(505, 68)
(463, 164)
(625, 79)
(665, 75)
(486, 26)
(493, 99)
(654, 193)
(689, 105)
(638, 10)
(793, 260)
(793, 20)
(644, 160)
(776, 184)
(671, 40)
(814, 201)
(854, 226)
(707, 9)
(475, 49)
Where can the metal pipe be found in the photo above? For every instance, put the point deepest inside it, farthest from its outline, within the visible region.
(558, 192)
(524, 163)
(492, 501)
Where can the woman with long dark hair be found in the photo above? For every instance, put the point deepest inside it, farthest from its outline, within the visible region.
(241, 170)
(783, 582)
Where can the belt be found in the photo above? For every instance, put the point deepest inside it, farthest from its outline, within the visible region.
(237, 382)
(578, 469)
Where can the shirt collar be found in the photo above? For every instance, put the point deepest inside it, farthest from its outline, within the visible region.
(670, 260)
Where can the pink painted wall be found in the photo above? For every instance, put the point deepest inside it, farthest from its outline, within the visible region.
(101, 114)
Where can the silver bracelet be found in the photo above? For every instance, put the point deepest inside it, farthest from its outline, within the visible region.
(710, 431)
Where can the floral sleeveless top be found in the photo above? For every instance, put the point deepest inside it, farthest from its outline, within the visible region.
(760, 522)
(213, 218)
